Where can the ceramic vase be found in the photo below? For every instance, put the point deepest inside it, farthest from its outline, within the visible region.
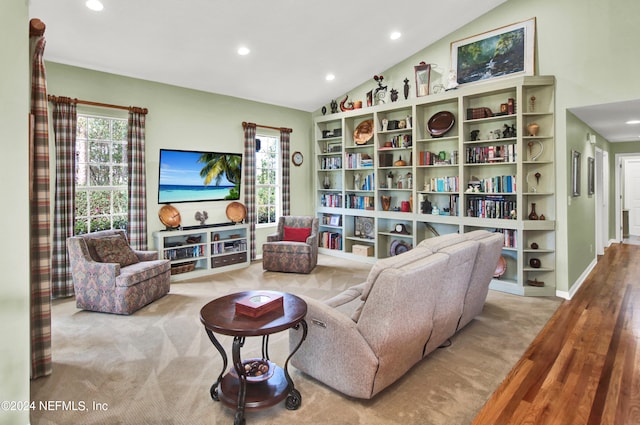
(533, 215)
(533, 129)
(386, 202)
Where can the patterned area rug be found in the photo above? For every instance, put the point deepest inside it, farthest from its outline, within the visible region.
(157, 365)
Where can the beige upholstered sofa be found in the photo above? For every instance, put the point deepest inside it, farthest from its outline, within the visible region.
(364, 339)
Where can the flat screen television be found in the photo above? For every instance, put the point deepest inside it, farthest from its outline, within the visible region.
(197, 176)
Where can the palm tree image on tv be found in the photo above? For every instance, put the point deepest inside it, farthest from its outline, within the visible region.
(218, 166)
(195, 176)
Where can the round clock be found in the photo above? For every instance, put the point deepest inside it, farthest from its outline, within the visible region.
(297, 158)
(400, 228)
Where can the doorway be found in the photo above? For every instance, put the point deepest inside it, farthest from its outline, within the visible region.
(628, 198)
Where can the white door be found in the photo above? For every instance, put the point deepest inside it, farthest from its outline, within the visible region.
(632, 195)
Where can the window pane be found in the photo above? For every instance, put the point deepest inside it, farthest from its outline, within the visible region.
(120, 201)
(263, 215)
(119, 176)
(118, 153)
(98, 175)
(81, 203)
(119, 130)
(99, 153)
(100, 223)
(120, 222)
(100, 202)
(81, 226)
(99, 128)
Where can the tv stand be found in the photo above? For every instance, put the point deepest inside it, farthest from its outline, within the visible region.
(201, 250)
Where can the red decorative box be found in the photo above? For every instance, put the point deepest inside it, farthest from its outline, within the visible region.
(259, 303)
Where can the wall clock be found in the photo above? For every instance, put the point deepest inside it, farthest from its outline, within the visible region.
(297, 158)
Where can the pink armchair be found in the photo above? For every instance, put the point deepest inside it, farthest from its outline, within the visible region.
(294, 248)
(110, 277)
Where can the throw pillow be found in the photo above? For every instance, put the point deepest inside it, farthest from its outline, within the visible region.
(115, 249)
(296, 234)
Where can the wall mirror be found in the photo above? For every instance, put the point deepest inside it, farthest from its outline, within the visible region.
(575, 173)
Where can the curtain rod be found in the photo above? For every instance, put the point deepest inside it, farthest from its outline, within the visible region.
(62, 99)
(245, 124)
(36, 28)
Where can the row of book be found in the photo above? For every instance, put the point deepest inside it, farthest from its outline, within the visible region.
(186, 252)
(491, 154)
(498, 184)
(360, 202)
(433, 158)
(510, 238)
(491, 207)
(330, 240)
(359, 160)
(230, 246)
(366, 183)
(445, 184)
(331, 163)
(333, 200)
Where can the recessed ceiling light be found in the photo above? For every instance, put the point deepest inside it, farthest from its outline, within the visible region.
(94, 5)
(633, 122)
(330, 77)
(395, 35)
(243, 51)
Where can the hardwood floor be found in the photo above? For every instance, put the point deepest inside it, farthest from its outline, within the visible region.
(584, 366)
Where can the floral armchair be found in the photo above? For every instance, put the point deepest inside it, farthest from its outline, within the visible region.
(294, 248)
(110, 277)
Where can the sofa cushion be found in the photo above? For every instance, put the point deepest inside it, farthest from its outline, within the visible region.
(296, 234)
(142, 271)
(283, 247)
(115, 249)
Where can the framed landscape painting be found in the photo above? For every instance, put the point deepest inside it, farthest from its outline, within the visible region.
(503, 52)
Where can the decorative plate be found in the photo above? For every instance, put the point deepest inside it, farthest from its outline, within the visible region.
(363, 133)
(170, 216)
(501, 267)
(252, 367)
(440, 123)
(398, 247)
(236, 212)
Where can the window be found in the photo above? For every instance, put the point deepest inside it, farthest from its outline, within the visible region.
(268, 180)
(101, 199)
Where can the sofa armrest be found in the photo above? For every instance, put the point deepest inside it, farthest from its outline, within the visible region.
(146, 255)
(312, 240)
(273, 238)
(103, 274)
(334, 352)
(346, 296)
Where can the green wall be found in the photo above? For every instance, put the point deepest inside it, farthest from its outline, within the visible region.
(584, 44)
(189, 119)
(14, 261)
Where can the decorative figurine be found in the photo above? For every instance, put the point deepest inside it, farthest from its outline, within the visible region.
(453, 83)
(406, 88)
(344, 106)
(394, 95)
(324, 110)
(474, 135)
(201, 217)
(532, 104)
(334, 107)
(356, 181)
(381, 92)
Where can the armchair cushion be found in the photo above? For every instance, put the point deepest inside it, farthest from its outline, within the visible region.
(296, 234)
(115, 249)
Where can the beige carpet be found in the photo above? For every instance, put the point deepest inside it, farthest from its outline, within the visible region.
(156, 366)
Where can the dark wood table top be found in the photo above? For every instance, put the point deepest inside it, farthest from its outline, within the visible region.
(220, 315)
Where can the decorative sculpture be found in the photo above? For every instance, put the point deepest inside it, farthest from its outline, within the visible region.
(201, 217)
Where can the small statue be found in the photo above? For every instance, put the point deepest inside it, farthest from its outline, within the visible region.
(201, 217)
(474, 135)
(394, 95)
(453, 83)
(334, 106)
(381, 92)
(406, 88)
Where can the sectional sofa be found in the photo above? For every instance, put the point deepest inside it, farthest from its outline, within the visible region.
(364, 339)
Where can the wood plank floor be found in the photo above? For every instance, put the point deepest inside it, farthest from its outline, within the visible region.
(584, 366)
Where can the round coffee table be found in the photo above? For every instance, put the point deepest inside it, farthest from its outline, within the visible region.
(234, 388)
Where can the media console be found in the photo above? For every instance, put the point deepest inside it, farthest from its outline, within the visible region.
(200, 250)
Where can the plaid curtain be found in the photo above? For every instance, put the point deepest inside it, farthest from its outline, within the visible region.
(250, 181)
(40, 244)
(64, 127)
(285, 136)
(137, 182)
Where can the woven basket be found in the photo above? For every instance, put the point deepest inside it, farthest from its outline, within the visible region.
(183, 267)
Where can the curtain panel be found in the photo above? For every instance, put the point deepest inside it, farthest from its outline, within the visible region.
(250, 181)
(285, 136)
(137, 229)
(64, 127)
(39, 210)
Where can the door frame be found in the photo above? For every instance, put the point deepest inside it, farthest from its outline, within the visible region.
(602, 196)
(620, 158)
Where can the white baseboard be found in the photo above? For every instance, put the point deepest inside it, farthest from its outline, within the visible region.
(578, 283)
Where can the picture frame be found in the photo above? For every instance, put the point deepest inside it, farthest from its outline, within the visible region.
(370, 98)
(334, 220)
(423, 79)
(364, 227)
(575, 173)
(500, 53)
(591, 178)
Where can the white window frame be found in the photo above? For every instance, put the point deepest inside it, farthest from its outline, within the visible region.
(265, 139)
(86, 162)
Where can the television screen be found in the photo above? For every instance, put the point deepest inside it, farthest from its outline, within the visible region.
(192, 176)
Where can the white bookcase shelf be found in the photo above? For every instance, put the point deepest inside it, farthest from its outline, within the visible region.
(437, 173)
(204, 250)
